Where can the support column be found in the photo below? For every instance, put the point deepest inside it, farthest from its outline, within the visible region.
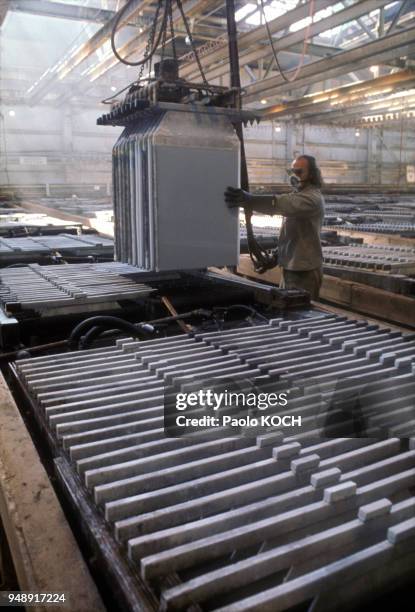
(67, 131)
(380, 156)
(290, 142)
(370, 157)
(67, 142)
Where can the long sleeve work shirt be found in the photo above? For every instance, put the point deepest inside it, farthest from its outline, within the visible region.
(299, 241)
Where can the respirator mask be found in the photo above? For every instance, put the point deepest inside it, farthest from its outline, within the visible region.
(294, 178)
(294, 182)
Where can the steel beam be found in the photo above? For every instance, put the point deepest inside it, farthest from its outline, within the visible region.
(360, 22)
(45, 8)
(397, 16)
(94, 43)
(250, 73)
(322, 101)
(315, 49)
(365, 29)
(255, 35)
(4, 7)
(344, 114)
(193, 8)
(294, 38)
(382, 50)
(134, 46)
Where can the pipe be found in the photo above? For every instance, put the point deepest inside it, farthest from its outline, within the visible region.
(139, 330)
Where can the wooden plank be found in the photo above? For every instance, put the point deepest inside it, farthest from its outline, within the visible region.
(359, 298)
(246, 267)
(337, 290)
(376, 302)
(329, 308)
(44, 551)
(387, 305)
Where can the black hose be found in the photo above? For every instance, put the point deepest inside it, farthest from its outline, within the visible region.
(98, 330)
(91, 335)
(140, 330)
(261, 259)
(250, 309)
(64, 343)
(101, 330)
(155, 44)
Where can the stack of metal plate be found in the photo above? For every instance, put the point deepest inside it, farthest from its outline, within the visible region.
(264, 522)
(396, 259)
(37, 227)
(14, 250)
(35, 224)
(373, 214)
(47, 289)
(403, 229)
(266, 236)
(170, 170)
(85, 207)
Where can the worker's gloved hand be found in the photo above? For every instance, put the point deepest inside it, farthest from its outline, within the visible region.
(250, 202)
(235, 197)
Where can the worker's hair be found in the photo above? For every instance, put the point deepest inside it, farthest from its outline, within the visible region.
(315, 177)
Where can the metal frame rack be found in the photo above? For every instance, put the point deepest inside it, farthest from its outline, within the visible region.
(35, 297)
(48, 290)
(31, 249)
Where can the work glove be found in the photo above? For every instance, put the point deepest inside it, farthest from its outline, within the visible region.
(263, 204)
(236, 198)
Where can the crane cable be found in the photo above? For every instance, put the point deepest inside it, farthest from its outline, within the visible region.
(305, 44)
(152, 45)
(261, 258)
(149, 51)
(190, 37)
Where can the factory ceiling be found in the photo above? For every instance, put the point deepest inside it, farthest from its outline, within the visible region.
(361, 53)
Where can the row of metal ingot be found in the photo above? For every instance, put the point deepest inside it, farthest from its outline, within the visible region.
(85, 206)
(379, 228)
(246, 523)
(378, 257)
(50, 287)
(373, 213)
(64, 243)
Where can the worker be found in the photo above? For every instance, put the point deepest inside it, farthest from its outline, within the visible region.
(300, 254)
